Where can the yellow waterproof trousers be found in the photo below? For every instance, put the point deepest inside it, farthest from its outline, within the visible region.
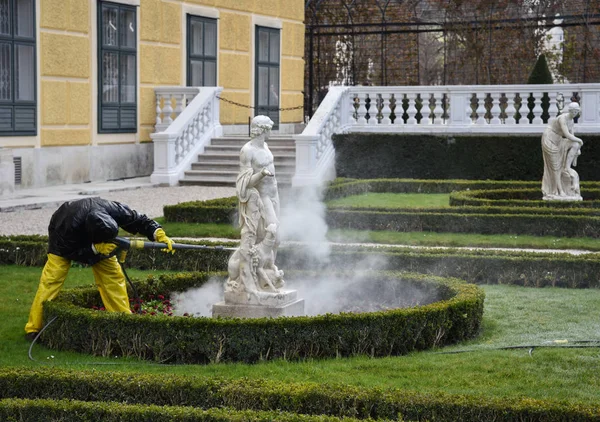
(107, 274)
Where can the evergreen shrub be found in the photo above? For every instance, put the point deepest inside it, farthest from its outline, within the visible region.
(471, 157)
(455, 317)
(29, 393)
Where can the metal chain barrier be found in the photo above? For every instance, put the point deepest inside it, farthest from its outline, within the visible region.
(252, 107)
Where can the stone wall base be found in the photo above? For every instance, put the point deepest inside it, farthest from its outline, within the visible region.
(51, 166)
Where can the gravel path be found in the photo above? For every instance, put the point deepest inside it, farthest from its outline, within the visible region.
(149, 201)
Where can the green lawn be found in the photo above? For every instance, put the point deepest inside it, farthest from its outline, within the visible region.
(394, 200)
(513, 316)
(404, 200)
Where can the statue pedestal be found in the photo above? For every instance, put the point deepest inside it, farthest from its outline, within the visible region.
(563, 198)
(259, 305)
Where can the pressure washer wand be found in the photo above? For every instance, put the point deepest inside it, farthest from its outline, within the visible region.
(124, 245)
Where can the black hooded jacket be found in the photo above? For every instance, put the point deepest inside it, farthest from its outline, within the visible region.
(76, 225)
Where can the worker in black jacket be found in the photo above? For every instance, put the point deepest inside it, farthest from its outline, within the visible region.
(81, 231)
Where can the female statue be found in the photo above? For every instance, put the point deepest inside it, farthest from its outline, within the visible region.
(251, 267)
(560, 148)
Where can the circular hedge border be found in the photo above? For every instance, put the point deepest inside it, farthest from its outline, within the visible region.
(520, 198)
(166, 339)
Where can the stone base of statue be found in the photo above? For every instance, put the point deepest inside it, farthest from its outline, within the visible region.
(259, 305)
(562, 198)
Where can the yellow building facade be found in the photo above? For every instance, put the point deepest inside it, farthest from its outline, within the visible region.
(79, 102)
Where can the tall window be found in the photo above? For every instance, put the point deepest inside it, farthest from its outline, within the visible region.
(201, 51)
(267, 73)
(17, 68)
(117, 68)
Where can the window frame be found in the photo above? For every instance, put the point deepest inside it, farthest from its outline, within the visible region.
(14, 40)
(120, 51)
(197, 57)
(270, 65)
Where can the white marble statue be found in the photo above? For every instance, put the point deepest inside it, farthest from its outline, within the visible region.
(560, 148)
(252, 266)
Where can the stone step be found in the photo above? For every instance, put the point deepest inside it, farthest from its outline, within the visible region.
(230, 174)
(236, 149)
(219, 164)
(240, 141)
(235, 156)
(193, 178)
(235, 166)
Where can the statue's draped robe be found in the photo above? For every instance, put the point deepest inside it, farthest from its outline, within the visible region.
(251, 220)
(554, 150)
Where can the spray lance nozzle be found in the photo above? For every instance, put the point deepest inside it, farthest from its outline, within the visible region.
(124, 245)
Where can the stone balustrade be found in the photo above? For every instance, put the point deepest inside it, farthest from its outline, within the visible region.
(195, 122)
(170, 102)
(498, 109)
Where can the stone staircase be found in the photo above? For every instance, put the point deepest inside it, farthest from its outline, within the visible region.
(220, 163)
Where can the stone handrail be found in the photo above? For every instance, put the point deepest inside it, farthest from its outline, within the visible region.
(177, 146)
(314, 149)
(170, 102)
(480, 109)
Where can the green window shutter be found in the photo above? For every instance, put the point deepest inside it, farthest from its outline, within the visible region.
(117, 68)
(18, 90)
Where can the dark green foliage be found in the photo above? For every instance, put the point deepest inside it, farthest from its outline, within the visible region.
(540, 73)
(80, 411)
(157, 397)
(33, 252)
(529, 269)
(510, 223)
(481, 266)
(510, 207)
(376, 156)
(520, 198)
(220, 210)
(342, 187)
(456, 317)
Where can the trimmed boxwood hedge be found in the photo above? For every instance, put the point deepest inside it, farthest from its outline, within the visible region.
(511, 216)
(523, 198)
(41, 410)
(518, 224)
(514, 216)
(266, 395)
(202, 340)
(473, 157)
(220, 210)
(33, 250)
(476, 266)
(343, 187)
(481, 266)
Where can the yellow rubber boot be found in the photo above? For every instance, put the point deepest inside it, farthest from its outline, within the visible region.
(111, 284)
(52, 279)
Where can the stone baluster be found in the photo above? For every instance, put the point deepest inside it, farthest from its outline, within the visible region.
(158, 110)
(510, 109)
(362, 109)
(178, 149)
(352, 110)
(481, 109)
(167, 110)
(373, 109)
(179, 103)
(412, 110)
(537, 108)
(426, 112)
(552, 108)
(386, 110)
(196, 130)
(438, 110)
(495, 111)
